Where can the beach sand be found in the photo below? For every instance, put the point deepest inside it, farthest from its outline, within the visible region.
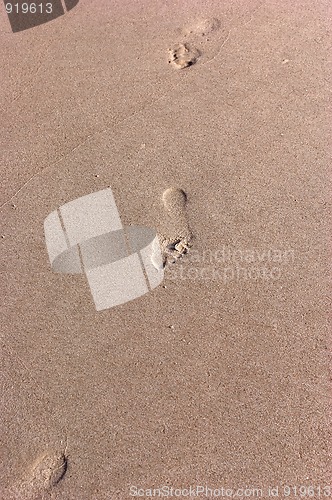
(219, 376)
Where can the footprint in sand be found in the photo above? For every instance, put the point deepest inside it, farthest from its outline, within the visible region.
(179, 238)
(183, 55)
(45, 473)
(201, 27)
(201, 39)
(48, 470)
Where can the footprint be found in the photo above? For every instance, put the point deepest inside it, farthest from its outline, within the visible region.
(48, 470)
(45, 473)
(201, 39)
(183, 55)
(179, 238)
(202, 27)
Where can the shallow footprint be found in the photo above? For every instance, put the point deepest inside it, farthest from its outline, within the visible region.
(45, 473)
(207, 34)
(179, 238)
(202, 27)
(183, 55)
(48, 470)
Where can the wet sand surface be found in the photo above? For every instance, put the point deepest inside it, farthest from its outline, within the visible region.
(219, 376)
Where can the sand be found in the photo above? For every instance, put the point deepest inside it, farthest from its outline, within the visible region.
(219, 376)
